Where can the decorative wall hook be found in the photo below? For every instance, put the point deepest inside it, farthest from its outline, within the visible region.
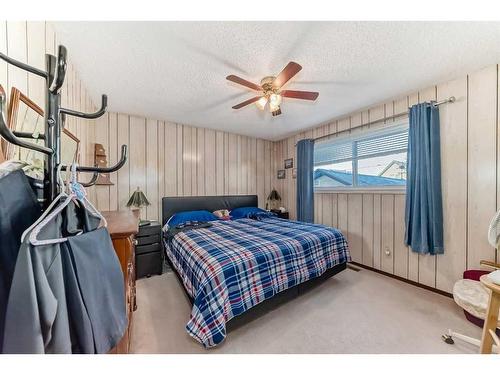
(100, 159)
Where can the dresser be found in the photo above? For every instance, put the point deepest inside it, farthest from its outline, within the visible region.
(123, 227)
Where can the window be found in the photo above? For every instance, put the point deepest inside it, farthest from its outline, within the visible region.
(372, 159)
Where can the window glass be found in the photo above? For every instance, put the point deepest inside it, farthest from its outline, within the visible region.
(334, 175)
(382, 170)
(370, 159)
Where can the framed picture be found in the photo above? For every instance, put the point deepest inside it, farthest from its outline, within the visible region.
(294, 173)
(26, 116)
(70, 147)
(281, 174)
(288, 163)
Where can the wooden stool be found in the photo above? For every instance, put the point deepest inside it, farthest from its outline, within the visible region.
(490, 323)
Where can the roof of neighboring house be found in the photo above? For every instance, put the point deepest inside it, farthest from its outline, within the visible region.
(397, 162)
(345, 178)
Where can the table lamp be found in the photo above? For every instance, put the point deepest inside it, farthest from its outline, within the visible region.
(273, 200)
(138, 200)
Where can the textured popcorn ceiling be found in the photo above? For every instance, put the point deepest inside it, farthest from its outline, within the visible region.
(176, 71)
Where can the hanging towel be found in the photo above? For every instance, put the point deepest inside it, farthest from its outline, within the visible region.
(67, 297)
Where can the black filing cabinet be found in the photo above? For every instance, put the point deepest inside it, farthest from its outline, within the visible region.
(148, 251)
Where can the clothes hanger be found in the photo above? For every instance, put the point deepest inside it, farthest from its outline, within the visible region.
(75, 191)
(47, 211)
(79, 190)
(72, 186)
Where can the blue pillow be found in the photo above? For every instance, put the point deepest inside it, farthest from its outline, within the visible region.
(247, 212)
(184, 216)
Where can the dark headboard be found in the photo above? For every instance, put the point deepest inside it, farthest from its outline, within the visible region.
(171, 205)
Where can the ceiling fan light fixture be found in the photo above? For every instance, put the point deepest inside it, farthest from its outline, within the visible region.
(270, 90)
(273, 107)
(275, 100)
(261, 103)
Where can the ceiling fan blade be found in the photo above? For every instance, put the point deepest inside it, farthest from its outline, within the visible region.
(286, 74)
(306, 95)
(243, 82)
(247, 102)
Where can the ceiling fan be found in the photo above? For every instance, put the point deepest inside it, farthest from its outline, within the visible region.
(271, 92)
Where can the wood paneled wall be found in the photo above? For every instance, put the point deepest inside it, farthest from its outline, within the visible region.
(164, 158)
(174, 159)
(169, 159)
(374, 223)
(29, 42)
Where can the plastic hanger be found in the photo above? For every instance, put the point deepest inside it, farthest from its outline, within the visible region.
(76, 191)
(47, 211)
(79, 190)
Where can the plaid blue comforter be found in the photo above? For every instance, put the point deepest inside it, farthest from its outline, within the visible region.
(234, 265)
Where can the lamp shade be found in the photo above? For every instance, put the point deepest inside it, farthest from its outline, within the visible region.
(138, 199)
(274, 196)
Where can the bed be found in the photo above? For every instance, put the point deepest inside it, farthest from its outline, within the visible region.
(234, 269)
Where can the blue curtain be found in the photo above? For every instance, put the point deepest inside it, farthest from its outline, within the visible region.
(305, 184)
(424, 209)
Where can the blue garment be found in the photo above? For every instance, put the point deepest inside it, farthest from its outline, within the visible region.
(185, 216)
(305, 183)
(249, 212)
(424, 208)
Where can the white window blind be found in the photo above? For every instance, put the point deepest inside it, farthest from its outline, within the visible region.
(390, 143)
(332, 153)
(369, 158)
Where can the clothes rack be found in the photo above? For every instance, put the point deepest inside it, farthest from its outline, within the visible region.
(54, 119)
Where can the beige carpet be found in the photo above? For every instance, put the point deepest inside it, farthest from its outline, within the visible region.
(353, 312)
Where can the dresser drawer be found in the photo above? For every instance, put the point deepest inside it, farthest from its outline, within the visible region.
(123, 227)
(149, 264)
(148, 240)
(143, 249)
(148, 230)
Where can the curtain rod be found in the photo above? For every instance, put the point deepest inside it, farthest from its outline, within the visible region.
(434, 103)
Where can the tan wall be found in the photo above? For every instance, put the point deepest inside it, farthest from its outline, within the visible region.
(29, 42)
(173, 159)
(164, 158)
(373, 222)
(169, 159)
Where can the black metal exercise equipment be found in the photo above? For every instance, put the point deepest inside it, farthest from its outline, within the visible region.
(54, 116)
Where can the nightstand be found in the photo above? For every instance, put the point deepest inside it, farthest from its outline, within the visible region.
(148, 251)
(282, 215)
